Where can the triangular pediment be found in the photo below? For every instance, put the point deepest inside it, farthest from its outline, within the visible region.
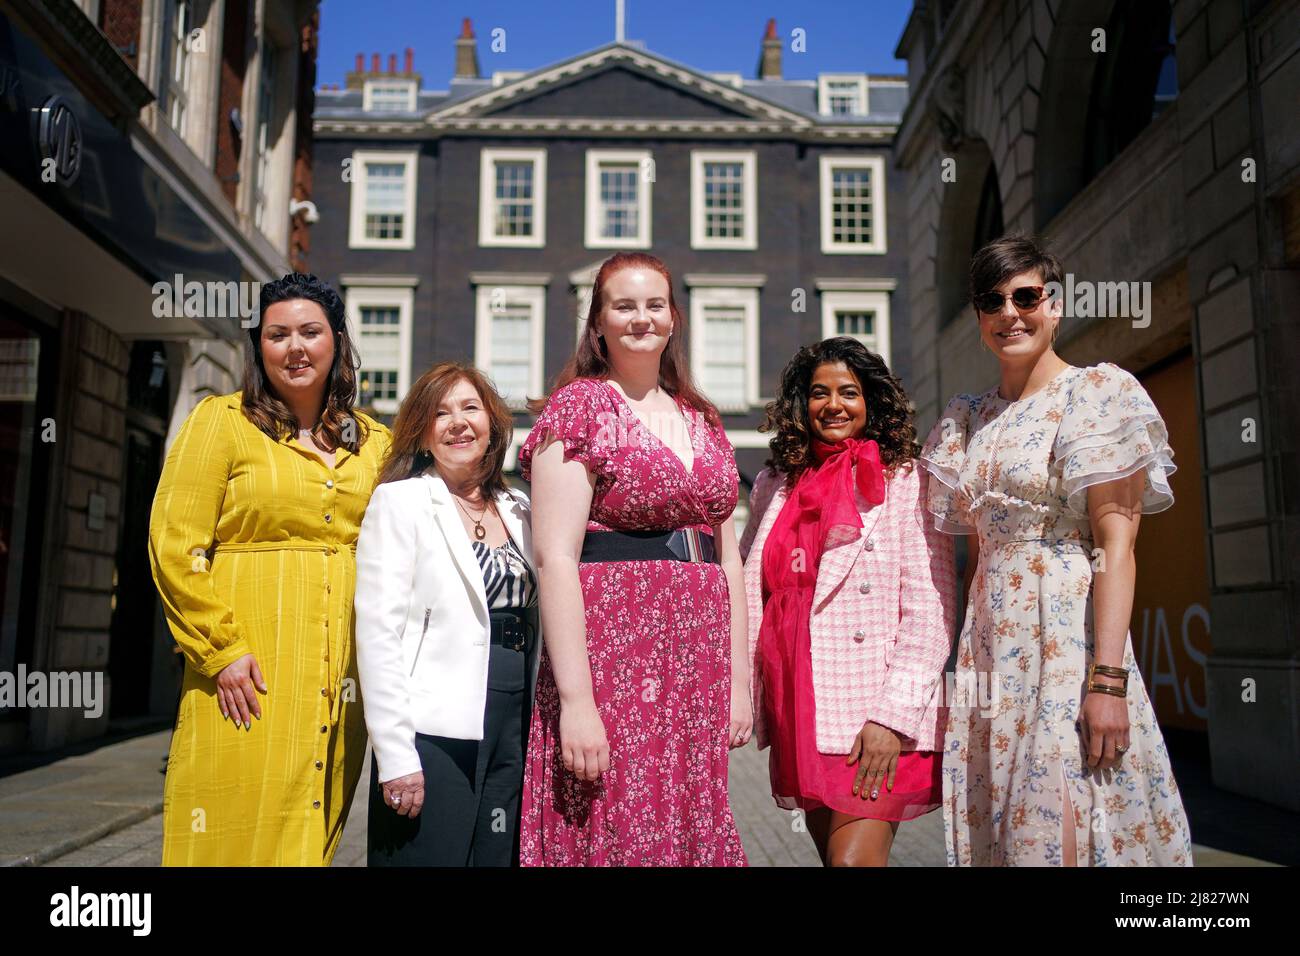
(618, 82)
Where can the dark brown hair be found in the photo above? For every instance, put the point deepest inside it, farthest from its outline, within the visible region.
(338, 426)
(1003, 258)
(889, 413)
(591, 360)
(407, 456)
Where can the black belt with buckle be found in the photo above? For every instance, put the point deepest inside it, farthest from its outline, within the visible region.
(514, 628)
(684, 544)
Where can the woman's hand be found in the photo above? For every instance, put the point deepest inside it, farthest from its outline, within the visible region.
(875, 750)
(405, 795)
(238, 684)
(582, 739)
(742, 716)
(1104, 727)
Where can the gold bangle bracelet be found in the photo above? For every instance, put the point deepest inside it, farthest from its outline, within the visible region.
(1105, 670)
(1107, 689)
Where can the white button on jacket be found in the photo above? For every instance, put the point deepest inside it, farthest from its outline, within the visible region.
(422, 618)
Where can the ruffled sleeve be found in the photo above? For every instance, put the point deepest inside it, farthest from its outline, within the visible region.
(579, 415)
(1110, 429)
(943, 456)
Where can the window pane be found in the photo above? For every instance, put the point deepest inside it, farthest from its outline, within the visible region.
(512, 327)
(724, 204)
(724, 355)
(514, 198)
(385, 200)
(619, 213)
(859, 324)
(851, 206)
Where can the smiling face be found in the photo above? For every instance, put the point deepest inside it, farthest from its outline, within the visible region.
(635, 318)
(461, 429)
(837, 408)
(1015, 336)
(297, 348)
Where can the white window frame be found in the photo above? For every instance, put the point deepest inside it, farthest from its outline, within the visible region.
(700, 298)
(357, 238)
(749, 198)
(263, 125)
(367, 93)
(535, 297)
(877, 302)
(359, 297)
(643, 161)
(488, 158)
(824, 81)
(878, 244)
(176, 42)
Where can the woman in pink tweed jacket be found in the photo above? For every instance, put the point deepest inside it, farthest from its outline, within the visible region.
(851, 598)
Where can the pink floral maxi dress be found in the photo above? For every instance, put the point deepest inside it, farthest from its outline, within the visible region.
(1016, 475)
(659, 643)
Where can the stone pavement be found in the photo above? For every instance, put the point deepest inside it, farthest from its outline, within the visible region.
(103, 808)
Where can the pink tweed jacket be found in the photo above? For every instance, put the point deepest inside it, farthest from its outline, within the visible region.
(882, 619)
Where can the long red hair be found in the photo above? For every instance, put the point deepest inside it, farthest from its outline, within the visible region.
(591, 360)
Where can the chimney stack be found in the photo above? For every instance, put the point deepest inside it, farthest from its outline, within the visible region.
(361, 63)
(769, 62)
(392, 63)
(410, 61)
(466, 53)
(356, 80)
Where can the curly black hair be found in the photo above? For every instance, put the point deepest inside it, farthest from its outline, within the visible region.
(889, 413)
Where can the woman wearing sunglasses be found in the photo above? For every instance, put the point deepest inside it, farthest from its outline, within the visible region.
(1051, 471)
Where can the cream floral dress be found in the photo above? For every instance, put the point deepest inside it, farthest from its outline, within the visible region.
(1016, 475)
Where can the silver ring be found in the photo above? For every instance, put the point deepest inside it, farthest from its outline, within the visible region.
(397, 800)
(874, 794)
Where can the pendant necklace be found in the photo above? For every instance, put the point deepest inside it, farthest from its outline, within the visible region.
(479, 531)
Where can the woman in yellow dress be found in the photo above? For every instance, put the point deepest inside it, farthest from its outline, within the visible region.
(252, 540)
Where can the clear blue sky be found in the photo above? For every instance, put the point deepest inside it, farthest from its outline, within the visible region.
(713, 35)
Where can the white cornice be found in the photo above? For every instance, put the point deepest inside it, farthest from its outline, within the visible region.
(384, 281)
(689, 79)
(723, 279)
(855, 285)
(626, 128)
(510, 278)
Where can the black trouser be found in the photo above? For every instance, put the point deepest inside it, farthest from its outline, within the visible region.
(471, 787)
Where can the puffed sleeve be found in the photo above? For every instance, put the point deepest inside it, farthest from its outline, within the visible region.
(1110, 429)
(581, 416)
(943, 456)
(760, 496)
(182, 528)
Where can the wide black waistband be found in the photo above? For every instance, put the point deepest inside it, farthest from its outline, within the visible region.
(684, 544)
(514, 627)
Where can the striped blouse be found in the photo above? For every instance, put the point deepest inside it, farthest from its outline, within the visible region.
(507, 578)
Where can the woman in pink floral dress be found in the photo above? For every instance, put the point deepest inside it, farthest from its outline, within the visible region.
(643, 681)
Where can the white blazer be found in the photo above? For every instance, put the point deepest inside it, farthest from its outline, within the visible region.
(422, 626)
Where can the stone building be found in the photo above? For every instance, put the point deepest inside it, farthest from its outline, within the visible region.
(141, 141)
(1147, 142)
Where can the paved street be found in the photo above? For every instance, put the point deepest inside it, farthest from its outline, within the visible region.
(107, 804)
(768, 833)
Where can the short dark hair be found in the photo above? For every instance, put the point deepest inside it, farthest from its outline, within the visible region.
(1003, 258)
(266, 410)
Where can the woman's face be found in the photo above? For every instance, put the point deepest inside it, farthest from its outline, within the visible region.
(297, 348)
(635, 318)
(460, 431)
(837, 408)
(1015, 336)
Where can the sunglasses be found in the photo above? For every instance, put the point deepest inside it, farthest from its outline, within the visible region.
(1025, 298)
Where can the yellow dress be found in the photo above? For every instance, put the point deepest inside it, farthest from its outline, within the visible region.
(252, 547)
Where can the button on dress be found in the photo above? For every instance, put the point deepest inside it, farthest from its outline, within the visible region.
(252, 547)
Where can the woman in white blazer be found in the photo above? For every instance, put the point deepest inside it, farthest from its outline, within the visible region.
(447, 630)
